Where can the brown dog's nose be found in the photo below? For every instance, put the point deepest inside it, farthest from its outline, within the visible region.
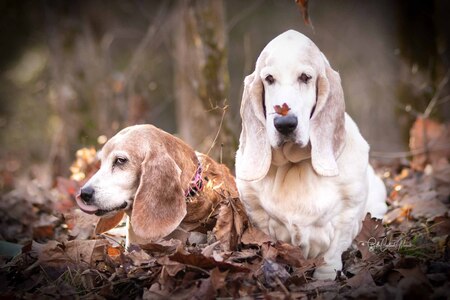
(285, 124)
(87, 194)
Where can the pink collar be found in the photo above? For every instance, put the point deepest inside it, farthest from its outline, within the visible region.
(196, 184)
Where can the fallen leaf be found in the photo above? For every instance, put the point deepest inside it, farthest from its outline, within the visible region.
(113, 252)
(441, 225)
(231, 222)
(80, 225)
(303, 5)
(76, 252)
(208, 250)
(371, 231)
(425, 205)
(282, 110)
(363, 278)
(105, 224)
(164, 246)
(254, 236)
(170, 266)
(139, 257)
(293, 255)
(218, 278)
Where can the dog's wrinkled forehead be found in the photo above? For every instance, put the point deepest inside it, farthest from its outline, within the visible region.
(131, 140)
(294, 47)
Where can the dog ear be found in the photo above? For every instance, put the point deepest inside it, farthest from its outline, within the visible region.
(254, 154)
(327, 131)
(159, 205)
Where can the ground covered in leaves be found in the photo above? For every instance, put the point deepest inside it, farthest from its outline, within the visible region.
(48, 249)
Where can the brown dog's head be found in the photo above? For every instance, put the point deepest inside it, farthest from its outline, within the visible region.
(146, 170)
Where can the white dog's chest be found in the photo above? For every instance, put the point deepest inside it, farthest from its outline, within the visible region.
(305, 214)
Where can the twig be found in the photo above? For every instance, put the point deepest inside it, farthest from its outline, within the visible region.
(436, 96)
(224, 110)
(281, 285)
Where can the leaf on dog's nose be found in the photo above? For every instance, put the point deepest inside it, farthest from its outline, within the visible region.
(282, 110)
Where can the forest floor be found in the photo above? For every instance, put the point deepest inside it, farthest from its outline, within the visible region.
(48, 250)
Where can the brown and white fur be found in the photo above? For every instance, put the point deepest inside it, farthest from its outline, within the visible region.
(145, 173)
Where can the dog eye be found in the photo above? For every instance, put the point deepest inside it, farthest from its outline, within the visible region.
(120, 161)
(270, 79)
(304, 78)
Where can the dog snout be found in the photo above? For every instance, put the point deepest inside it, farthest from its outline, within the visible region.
(285, 124)
(87, 194)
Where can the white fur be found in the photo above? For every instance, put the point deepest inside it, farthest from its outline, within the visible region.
(291, 201)
(113, 186)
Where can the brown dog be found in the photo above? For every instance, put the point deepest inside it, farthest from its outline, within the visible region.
(160, 183)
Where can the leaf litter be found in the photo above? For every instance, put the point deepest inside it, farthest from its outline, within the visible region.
(49, 248)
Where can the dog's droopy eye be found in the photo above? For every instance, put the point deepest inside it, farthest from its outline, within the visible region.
(304, 78)
(270, 79)
(120, 161)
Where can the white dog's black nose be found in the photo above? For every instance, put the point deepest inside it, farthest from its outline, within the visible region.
(285, 124)
(87, 194)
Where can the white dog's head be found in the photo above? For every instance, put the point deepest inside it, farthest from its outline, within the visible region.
(141, 170)
(293, 99)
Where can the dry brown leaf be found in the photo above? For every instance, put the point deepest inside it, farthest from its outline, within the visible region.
(268, 251)
(415, 272)
(78, 252)
(113, 252)
(425, 205)
(170, 266)
(303, 5)
(441, 225)
(293, 255)
(231, 223)
(362, 278)
(208, 250)
(254, 236)
(139, 257)
(105, 224)
(282, 110)
(371, 231)
(80, 224)
(218, 278)
(164, 246)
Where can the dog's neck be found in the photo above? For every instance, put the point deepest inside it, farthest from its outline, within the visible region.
(290, 153)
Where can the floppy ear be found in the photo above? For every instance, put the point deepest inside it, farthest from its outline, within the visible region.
(327, 131)
(159, 205)
(254, 154)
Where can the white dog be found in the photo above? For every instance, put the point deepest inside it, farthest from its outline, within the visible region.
(302, 165)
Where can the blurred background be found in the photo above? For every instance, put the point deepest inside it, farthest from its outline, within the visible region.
(72, 73)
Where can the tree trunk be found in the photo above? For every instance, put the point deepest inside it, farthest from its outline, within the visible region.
(201, 79)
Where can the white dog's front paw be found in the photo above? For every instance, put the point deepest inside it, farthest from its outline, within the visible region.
(325, 272)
